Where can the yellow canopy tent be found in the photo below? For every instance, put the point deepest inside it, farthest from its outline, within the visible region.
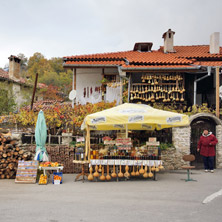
(132, 117)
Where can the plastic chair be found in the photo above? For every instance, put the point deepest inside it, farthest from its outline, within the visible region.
(188, 158)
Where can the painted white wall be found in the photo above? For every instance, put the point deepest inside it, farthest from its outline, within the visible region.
(87, 78)
(90, 78)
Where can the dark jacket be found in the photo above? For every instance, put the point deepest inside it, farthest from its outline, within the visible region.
(207, 144)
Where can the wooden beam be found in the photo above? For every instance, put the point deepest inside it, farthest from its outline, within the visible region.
(34, 90)
(74, 79)
(217, 93)
(121, 90)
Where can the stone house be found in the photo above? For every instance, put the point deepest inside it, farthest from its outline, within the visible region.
(17, 86)
(181, 76)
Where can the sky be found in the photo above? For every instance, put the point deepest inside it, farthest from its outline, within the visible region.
(58, 28)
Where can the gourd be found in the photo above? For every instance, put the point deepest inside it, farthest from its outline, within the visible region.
(145, 175)
(161, 167)
(137, 172)
(133, 173)
(120, 174)
(153, 167)
(108, 177)
(114, 172)
(150, 173)
(100, 168)
(90, 177)
(126, 174)
(102, 177)
(96, 174)
(141, 171)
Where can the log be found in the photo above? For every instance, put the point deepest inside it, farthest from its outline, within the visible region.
(10, 154)
(2, 176)
(4, 155)
(21, 152)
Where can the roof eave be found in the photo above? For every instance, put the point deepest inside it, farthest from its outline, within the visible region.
(160, 68)
(88, 66)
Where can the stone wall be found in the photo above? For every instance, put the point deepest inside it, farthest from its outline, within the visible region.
(172, 158)
(219, 146)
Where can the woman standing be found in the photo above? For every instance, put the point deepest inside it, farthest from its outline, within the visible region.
(206, 146)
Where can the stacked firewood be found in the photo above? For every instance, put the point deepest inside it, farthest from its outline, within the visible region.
(10, 154)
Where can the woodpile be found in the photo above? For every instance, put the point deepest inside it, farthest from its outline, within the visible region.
(10, 154)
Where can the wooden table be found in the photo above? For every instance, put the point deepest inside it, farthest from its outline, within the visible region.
(83, 174)
(58, 169)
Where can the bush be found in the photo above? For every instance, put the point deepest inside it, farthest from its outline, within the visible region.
(165, 146)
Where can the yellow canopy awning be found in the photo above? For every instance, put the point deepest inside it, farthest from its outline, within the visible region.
(134, 117)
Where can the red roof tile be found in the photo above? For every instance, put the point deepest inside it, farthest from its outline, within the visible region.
(3, 74)
(185, 56)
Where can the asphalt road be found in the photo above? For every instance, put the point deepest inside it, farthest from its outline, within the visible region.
(168, 199)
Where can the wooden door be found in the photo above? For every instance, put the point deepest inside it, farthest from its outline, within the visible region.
(197, 127)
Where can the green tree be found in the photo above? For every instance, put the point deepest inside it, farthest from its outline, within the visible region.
(38, 64)
(50, 78)
(23, 64)
(7, 103)
(56, 64)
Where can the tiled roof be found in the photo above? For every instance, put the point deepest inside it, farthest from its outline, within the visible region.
(185, 56)
(4, 75)
(43, 105)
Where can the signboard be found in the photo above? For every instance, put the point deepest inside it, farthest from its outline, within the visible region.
(157, 143)
(109, 142)
(26, 172)
(124, 144)
(80, 139)
(152, 139)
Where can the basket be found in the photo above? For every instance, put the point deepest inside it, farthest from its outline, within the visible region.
(41, 182)
(60, 174)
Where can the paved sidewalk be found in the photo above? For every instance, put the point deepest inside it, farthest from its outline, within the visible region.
(168, 199)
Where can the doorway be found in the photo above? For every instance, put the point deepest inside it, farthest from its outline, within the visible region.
(197, 127)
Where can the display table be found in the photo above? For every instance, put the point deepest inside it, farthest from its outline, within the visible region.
(83, 174)
(119, 162)
(58, 169)
(126, 162)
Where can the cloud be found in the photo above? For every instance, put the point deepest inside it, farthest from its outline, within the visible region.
(62, 28)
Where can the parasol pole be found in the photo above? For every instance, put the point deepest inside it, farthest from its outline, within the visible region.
(126, 130)
(88, 143)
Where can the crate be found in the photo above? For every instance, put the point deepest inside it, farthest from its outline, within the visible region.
(57, 174)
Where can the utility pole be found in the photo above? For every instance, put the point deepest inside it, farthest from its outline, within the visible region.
(34, 90)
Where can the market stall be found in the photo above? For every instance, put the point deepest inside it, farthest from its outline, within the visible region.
(118, 155)
(50, 167)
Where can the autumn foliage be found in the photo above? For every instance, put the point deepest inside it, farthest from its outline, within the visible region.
(60, 115)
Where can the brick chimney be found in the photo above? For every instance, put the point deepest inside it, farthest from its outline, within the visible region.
(14, 67)
(168, 41)
(215, 43)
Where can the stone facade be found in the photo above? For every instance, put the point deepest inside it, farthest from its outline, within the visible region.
(172, 157)
(181, 139)
(219, 146)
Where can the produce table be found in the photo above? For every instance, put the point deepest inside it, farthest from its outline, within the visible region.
(58, 169)
(126, 162)
(120, 163)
